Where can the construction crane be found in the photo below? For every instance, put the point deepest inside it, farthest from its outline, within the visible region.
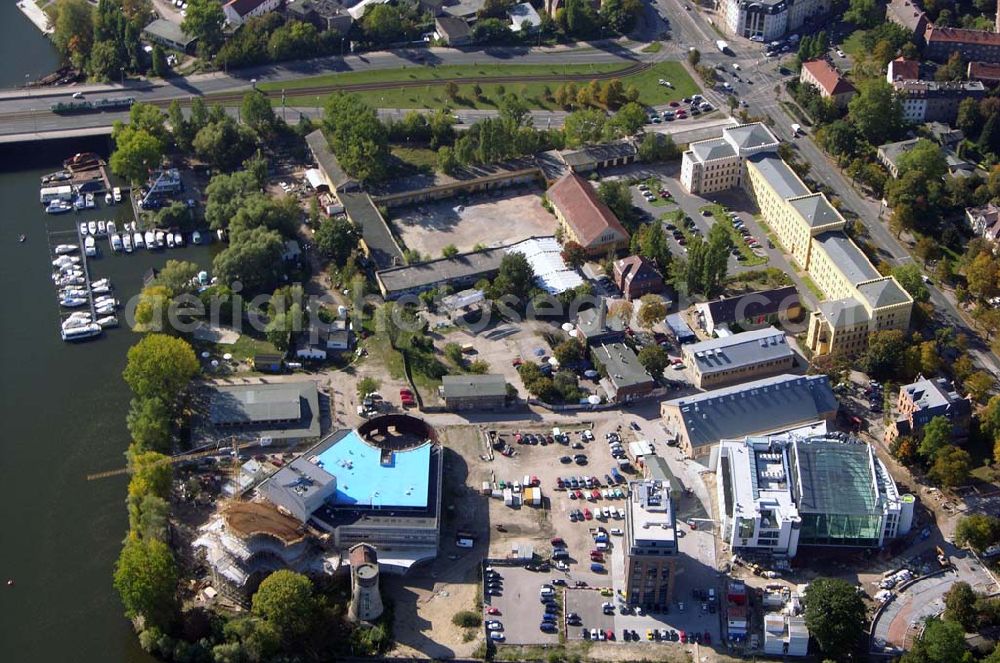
(183, 458)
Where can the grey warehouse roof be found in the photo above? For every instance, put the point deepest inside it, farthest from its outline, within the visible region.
(328, 160)
(708, 150)
(846, 255)
(255, 404)
(464, 386)
(745, 349)
(362, 212)
(816, 210)
(755, 407)
(782, 178)
(623, 367)
(749, 136)
(884, 292)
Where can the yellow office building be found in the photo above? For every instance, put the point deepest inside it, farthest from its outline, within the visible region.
(859, 300)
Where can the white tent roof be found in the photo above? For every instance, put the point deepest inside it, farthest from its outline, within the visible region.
(545, 257)
(315, 178)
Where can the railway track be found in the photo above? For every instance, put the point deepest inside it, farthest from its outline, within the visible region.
(381, 85)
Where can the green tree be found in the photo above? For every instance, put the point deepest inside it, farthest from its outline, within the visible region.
(149, 422)
(226, 195)
(864, 13)
(969, 119)
(449, 251)
(136, 153)
(159, 62)
(178, 276)
(146, 580)
(568, 352)
(204, 22)
(280, 214)
(652, 311)
(151, 473)
(356, 135)
(941, 642)
(368, 385)
(937, 435)
(912, 280)
(655, 148)
(650, 242)
(876, 112)
(257, 113)
(336, 239)
(160, 365)
(978, 385)
(73, 29)
(953, 70)
(294, 39)
(884, 354)
(694, 57)
(926, 157)
(629, 119)
(106, 60)
(615, 194)
(152, 307)
(447, 163)
(654, 359)
(951, 467)
(224, 144)
(835, 616)
(254, 260)
(581, 19)
(960, 606)
(978, 530)
(382, 23)
(989, 418)
(585, 126)
(285, 600)
(989, 137)
(515, 277)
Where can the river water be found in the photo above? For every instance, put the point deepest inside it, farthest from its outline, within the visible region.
(62, 408)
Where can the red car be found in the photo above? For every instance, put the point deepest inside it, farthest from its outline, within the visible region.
(596, 494)
(492, 611)
(596, 557)
(674, 104)
(609, 634)
(587, 515)
(684, 636)
(403, 393)
(557, 541)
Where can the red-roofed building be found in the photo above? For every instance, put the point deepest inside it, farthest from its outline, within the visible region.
(902, 69)
(583, 218)
(985, 72)
(635, 276)
(238, 11)
(972, 45)
(828, 81)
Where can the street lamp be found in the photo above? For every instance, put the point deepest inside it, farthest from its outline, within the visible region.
(123, 76)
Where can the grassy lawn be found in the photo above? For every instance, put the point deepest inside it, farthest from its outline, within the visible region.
(655, 184)
(750, 259)
(412, 160)
(813, 288)
(655, 47)
(432, 95)
(853, 45)
(247, 347)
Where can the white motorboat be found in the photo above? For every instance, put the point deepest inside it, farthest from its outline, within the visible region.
(108, 199)
(170, 240)
(70, 291)
(71, 323)
(72, 302)
(112, 228)
(80, 333)
(90, 202)
(69, 269)
(138, 241)
(83, 229)
(178, 239)
(127, 242)
(103, 311)
(196, 237)
(101, 289)
(62, 249)
(78, 280)
(80, 202)
(161, 238)
(99, 282)
(105, 300)
(117, 193)
(59, 207)
(89, 246)
(92, 227)
(102, 228)
(107, 321)
(78, 315)
(66, 260)
(150, 239)
(116, 242)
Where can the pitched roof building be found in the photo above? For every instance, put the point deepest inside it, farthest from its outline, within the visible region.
(238, 11)
(750, 310)
(453, 31)
(474, 392)
(924, 400)
(902, 69)
(828, 81)
(738, 358)
(636, 276)
(984, 71)
(984, 221)
(753, 408)
(972, 45)
(584, 218)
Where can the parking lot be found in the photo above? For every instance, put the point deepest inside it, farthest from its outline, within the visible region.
(519, 606)
(492, 218)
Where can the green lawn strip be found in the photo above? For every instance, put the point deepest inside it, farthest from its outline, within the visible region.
(853, 45)
(655, 47)
(655, 184)
(433, 95)
(443, 74)
(414, 159)
(750, 259)
(813, 288)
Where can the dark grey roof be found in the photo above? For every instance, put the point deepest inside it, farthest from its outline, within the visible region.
(621, 364)
(425, 275)
(848, 258)
(892, 151)
(845, 312)
(744, 349)
(453, 28)
(755, 407)
(169, 31)
(465, 386)
(593, 155)
(752, 305)
(816, 210)
(750, 136)
(278, 410)
(588, 322)
(718, 148)
(930, 394)
(781, 178)
(678, 327)
(362, 212)
(327, 161)
(464, 8)
(884, 292)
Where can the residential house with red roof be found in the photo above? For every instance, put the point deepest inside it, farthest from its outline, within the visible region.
(584, 218)
(828, 81)
(635, 276)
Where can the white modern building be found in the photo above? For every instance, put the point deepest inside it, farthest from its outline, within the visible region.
(718, 164)
(782, 491)
(765, 20)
